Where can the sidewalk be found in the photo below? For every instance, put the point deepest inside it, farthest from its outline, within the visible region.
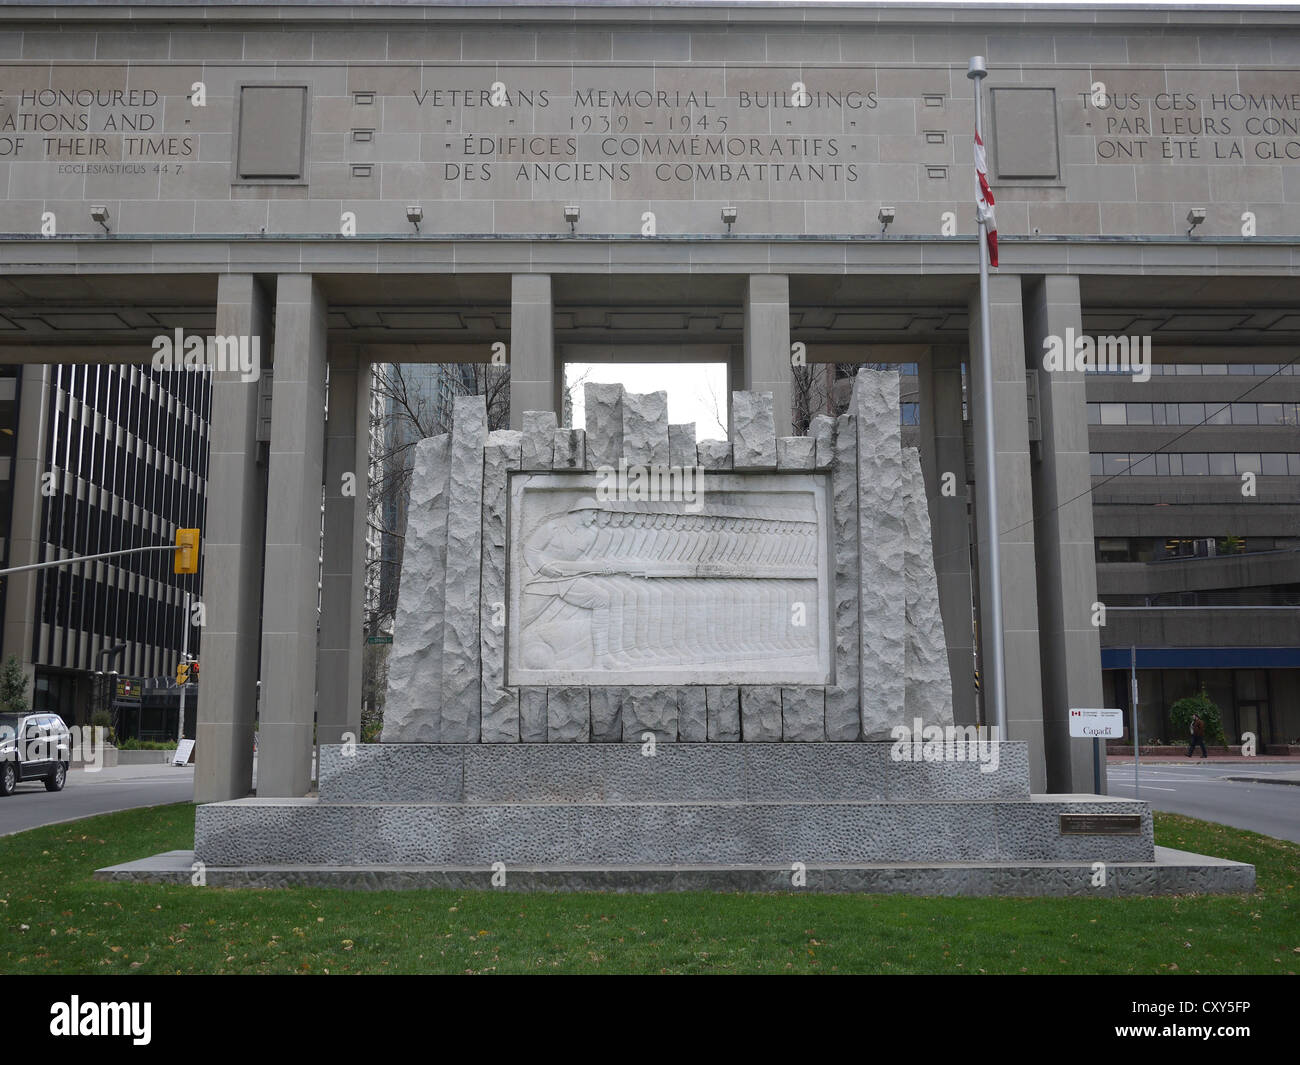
(1215, 759)
(1271, 778)
(119, 773)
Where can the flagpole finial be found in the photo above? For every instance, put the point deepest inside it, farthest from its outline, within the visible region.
(977, 69)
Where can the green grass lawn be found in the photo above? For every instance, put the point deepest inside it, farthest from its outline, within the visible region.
(55, 918)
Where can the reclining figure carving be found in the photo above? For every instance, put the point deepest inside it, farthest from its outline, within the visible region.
(627, 585)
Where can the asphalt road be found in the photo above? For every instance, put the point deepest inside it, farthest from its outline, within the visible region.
(86, 793)
(1203, 790)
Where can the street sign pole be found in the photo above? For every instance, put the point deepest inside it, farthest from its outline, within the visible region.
(185, 657)
(1133, 702)
(1096, 723)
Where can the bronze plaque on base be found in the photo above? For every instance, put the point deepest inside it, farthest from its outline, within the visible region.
(1101, 824)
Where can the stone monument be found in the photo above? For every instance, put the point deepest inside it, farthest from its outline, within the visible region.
(628, 659)
(589, 587)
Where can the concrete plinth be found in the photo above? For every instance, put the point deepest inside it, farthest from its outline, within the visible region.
(1171, 872)
(607, 816)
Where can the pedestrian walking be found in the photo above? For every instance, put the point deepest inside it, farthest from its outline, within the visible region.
(1198, 737)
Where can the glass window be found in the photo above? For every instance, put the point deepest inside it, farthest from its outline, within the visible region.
(1222, 465)
(1293, 465)
(1248, 463)
(1098, 464)
(1113, 414)
(1218, 414)
(1175, 465)
(1239, 369)
(1191, 413)
(1265, 369)
(1244, 414)
(1195, 464)
(1162, 465)
(911, 413)
(1143, 466)
(1188, 369)
(1112, 551)
(1158, 413)
(1094, 413)
(1273, 464)
(1117, 462)
(1269, 413)
(1139, 414)
(1215, 369)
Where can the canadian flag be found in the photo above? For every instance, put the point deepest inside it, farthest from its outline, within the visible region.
(984, 198)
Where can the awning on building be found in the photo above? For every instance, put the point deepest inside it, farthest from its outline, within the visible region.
(1203, 658)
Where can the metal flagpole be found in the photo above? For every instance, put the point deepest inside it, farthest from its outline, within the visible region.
(995, 669)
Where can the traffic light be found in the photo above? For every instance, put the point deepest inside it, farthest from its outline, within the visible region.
(194, 671)
(183, 673)
(186, 559)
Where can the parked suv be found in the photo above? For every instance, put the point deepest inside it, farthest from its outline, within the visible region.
(33, 747)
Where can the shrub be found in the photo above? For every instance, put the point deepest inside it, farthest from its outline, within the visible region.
(146, 745)
(13, 686)
(1200, 703)
(103, 719)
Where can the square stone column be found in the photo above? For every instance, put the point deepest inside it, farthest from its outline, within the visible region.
(1067, 571)
(767, 345)
(232, 558)
(343, 566)
(25, 539)
(293, 539)
(1024, 696)
(533, 373)
(943, 452)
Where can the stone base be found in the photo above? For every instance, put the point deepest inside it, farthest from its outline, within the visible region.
(678, 772)
(724, 816)
(292, 831)
(1171, 872)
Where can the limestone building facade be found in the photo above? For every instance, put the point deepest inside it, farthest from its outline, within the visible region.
(392, 182)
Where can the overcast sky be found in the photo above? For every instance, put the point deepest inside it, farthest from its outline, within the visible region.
(696, 392)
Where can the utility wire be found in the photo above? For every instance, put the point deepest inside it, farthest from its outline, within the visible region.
(975, 542)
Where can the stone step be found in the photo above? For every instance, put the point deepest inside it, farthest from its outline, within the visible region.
(1170, 873)
(681, 772)
(307, 831)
